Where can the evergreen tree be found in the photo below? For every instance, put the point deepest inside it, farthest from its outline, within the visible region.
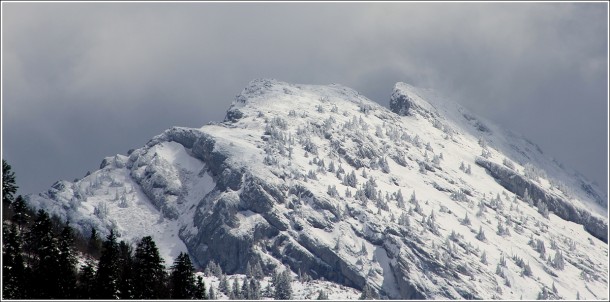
(85, 287)
(67, 262)
(236, 292)
(13, 267)
(212, 294)
(257, 271)
(322, 295)
(45, 259)
(558, 261)
(481, 234)
(149, 269)
(8, 183)
(108, 275)
(127, 290)
(200, 293)
(20, 212)
(368, 293)
(255, 289)
(283, 286)
(182, 279)
(94, 245)
(248, 270)
(223, 286)
(246, 293)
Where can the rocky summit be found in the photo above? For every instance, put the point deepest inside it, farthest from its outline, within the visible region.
(420, 201)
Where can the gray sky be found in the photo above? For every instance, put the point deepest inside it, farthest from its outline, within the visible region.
(82, 81)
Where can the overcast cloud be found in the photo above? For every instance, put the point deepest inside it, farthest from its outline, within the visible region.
(82, 81)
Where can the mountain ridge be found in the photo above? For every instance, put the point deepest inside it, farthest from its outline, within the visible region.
(259, 187)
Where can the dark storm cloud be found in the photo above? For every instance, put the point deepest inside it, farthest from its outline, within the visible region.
(88, 80)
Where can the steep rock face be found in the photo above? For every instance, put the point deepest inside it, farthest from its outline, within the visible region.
(522, 186)
(329, 183)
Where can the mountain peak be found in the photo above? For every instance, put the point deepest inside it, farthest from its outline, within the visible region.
(318, 178)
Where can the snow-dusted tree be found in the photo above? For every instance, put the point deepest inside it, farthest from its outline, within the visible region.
(404, 220)
(400, 199)
(541, 248)
(350, 180)
(527, 198)
(223, 286)
(257, 270)
(322, 295)
(558, 261)
(484, 258)
(527, 270)
(235, 293)
(363, 251)
(332, 191)
(481, 234)
(502, 231)
(543, 209)
(466, 220)
(101, 210)
(543, 295)
(212, 294)
(283, 286)
(368, 293)
(255, 289)
(200, 293)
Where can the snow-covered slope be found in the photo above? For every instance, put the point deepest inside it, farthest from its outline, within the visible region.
(422, 200)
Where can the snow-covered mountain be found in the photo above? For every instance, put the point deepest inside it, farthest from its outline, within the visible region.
(422, 200)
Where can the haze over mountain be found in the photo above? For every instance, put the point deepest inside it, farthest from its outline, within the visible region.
(111, 67)
(421, 200)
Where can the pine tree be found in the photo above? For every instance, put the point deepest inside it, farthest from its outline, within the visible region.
(8, 183)
(255, 289)
(212, 294)
(45, 259)
(257, 271)
(13, 266)
(248, 269)
(85, 287)
(109, 273)
(246, 293)
(368, 293)
(558, 261)
(223, 286)
(200, 293)
(283, 286)
(126, 288)
(67, 262)
(94, 245)
(363, 250)
(20, 212)
(322, 295)
(481, 234)
(182, 278)
(150, 271)
(236, 292)
(484, 258)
